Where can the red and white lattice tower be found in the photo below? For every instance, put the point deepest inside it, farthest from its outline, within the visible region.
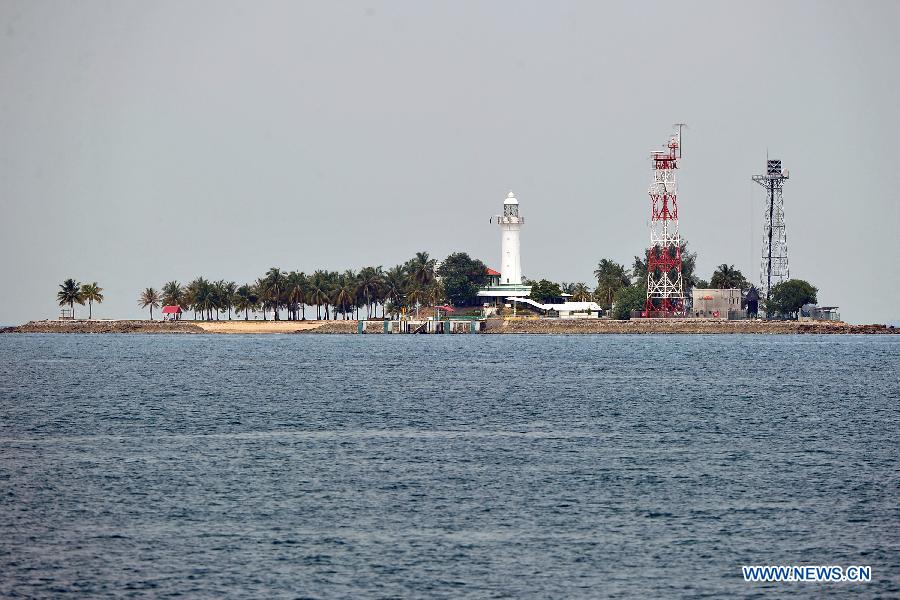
(665, 288)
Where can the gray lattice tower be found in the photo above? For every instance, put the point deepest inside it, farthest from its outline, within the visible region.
(774, 265)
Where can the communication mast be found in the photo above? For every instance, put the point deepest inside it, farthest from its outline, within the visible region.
(774, 265)
(665, 287)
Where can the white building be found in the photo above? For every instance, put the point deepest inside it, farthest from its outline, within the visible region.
(564, 310)
(510, 284)
(717, 304)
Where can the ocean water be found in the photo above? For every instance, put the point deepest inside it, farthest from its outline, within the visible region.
(446, 466)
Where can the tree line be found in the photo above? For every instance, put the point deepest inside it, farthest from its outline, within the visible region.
(418, 282)
(281, 294)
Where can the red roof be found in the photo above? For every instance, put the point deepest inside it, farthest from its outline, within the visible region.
(492, 272)
(171, 310)
(446, 308)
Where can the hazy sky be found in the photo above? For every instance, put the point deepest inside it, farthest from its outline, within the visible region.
(147, 141)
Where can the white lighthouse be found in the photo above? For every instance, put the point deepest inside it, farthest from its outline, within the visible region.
(508, 282)
(510, 225)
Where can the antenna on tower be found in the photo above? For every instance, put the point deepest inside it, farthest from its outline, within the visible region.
(680, 126)
(665, 285)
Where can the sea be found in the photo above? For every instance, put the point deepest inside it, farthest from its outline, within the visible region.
(446, 466)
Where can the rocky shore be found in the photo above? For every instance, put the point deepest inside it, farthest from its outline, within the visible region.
(691, 326)
(494, 326)
(79, 326)
(333, 327)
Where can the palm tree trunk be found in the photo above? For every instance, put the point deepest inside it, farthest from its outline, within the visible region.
(90, 306)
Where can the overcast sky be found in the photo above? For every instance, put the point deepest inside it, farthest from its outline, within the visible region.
(142, 142)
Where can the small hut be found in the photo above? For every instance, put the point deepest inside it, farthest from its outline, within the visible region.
(171, 313)
(446, 309)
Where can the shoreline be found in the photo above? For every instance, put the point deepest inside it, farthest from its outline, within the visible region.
(183, 327)
(493, 327)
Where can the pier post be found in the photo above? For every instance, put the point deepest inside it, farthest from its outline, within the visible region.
(360, 327)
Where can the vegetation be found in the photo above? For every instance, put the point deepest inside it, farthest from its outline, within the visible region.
(283, 294)
(727, 277)
(149, 297)
(462, 276)
(70, 293)
(787, 297)
(580, 292)
(628, 299)
(688, 266)
(611, 277)
(173, 294)
(544, 291)
(411, 285)
(90, 293)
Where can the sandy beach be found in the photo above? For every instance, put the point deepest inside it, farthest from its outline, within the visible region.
(258, 326)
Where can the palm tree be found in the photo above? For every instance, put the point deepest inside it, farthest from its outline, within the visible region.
(580, 292)
(230, 293)
(434, 294)
(201, 296)
(69, 293)
(395, 283)
(91, 292)
(380, 296)
(254, 298)
(190, 296)
(296, 294)
(371, 280)
(727, 277)
(421, 268)
(223, 296)
(343, 294)
(243, 300)
(331, 284)
(275, 281)
(611, 277)
(318, 291)
(415, 294)
(149, 297)
(174, 295)
(262, 292)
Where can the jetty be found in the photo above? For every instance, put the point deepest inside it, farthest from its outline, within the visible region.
(423, 326)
